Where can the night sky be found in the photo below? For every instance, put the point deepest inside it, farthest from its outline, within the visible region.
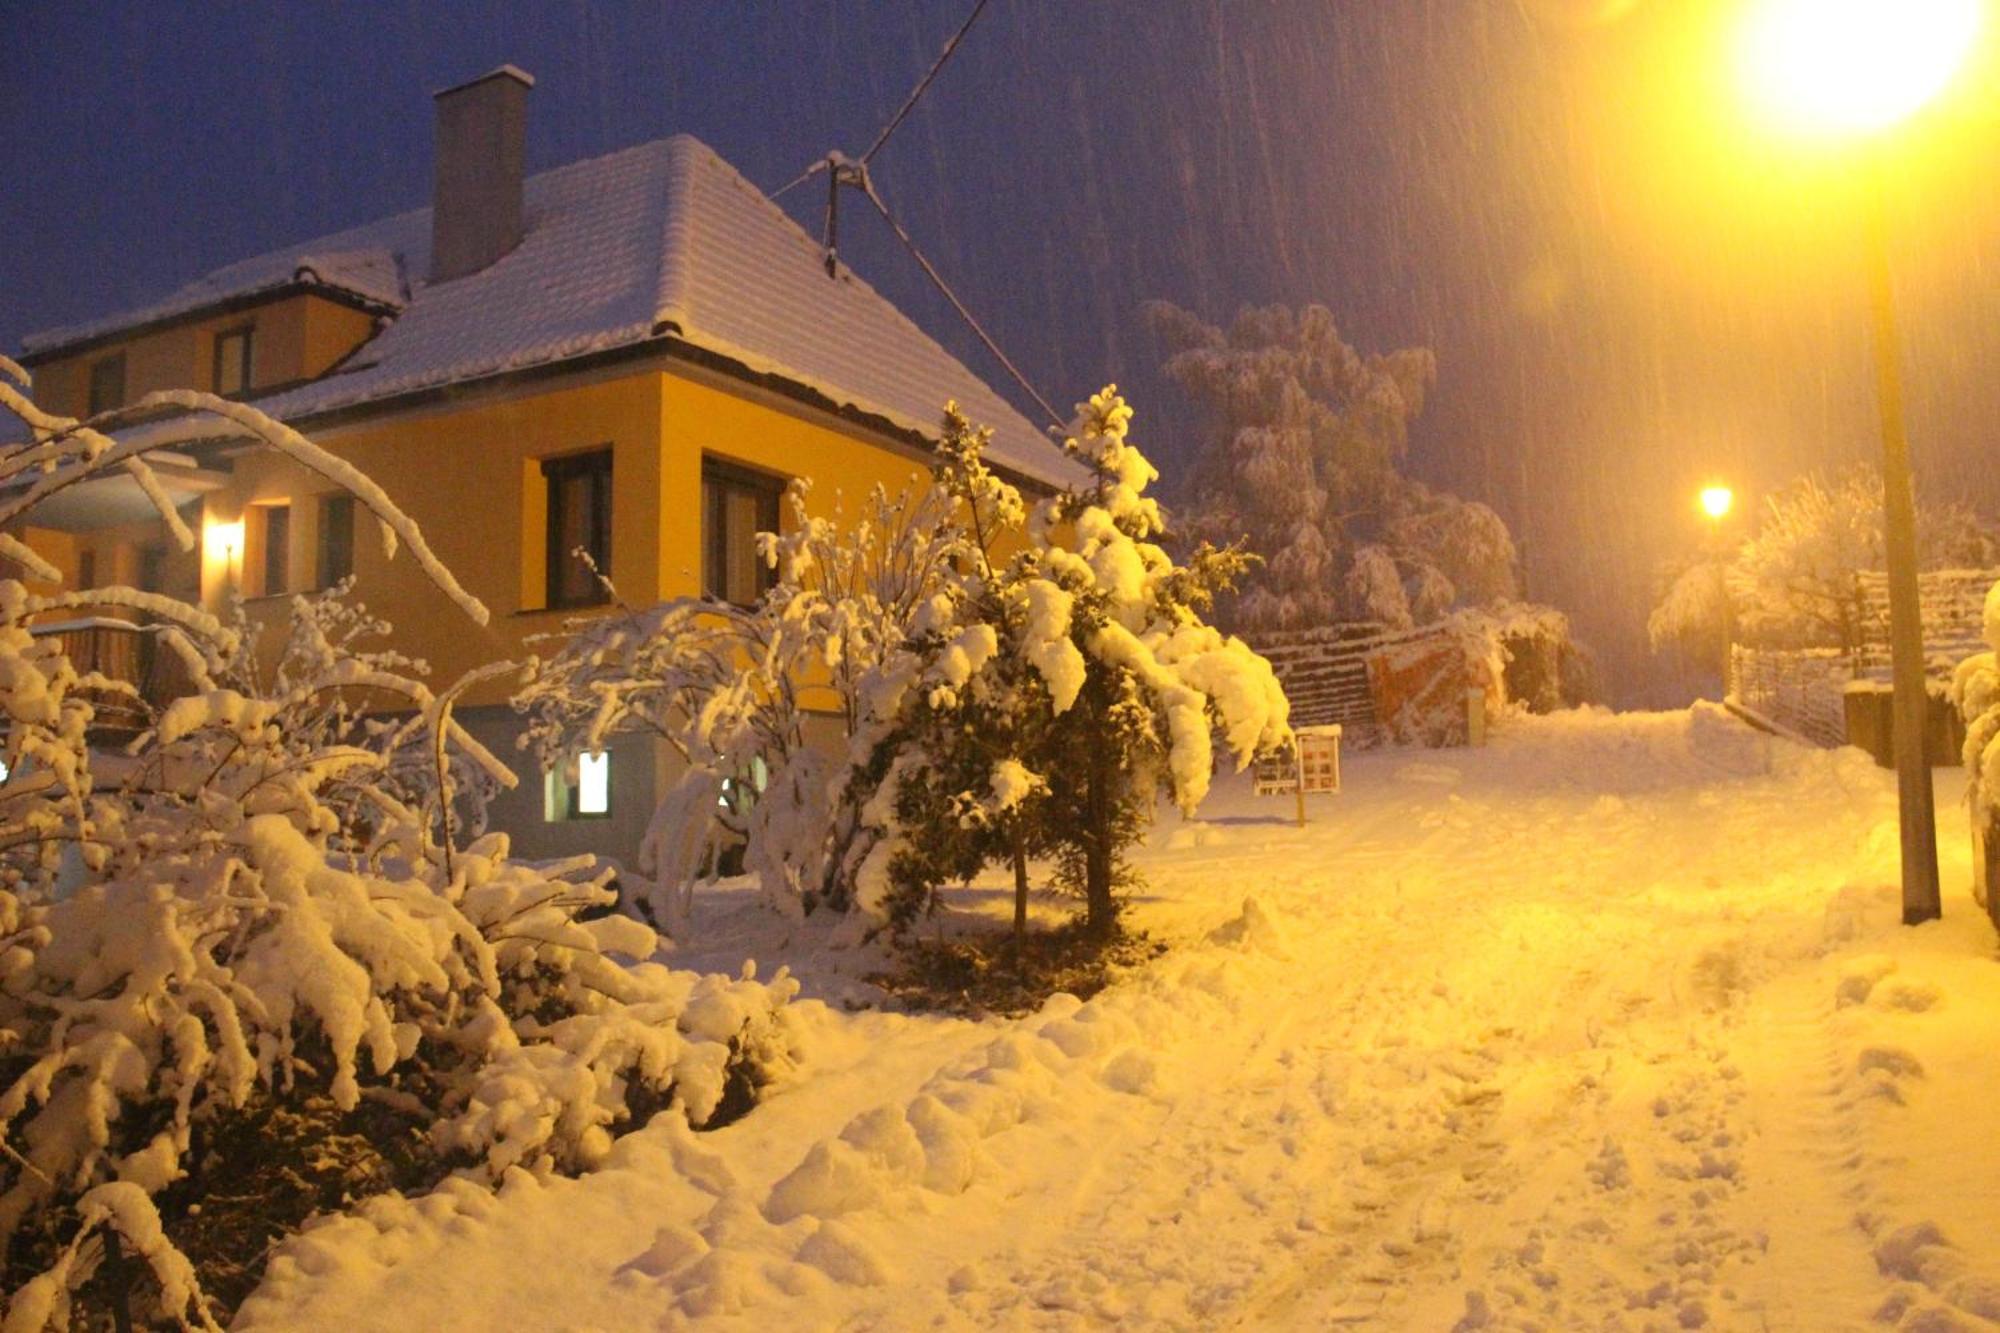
(1629, 289)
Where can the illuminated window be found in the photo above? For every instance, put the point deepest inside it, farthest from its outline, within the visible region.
(579, 518)
(593, 784)
(580, 789)
(107, 384)
(232, 361)
(736, 505)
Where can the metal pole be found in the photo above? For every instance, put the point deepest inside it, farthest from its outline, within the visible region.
(1921, 900)
(1299, 755)
(1719, 555)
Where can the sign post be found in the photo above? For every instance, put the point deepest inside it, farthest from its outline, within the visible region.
(1310, 767)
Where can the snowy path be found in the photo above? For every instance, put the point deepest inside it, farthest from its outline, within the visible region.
(1608, 1026)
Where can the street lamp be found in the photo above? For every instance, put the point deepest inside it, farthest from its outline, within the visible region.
(1847, 67)
(1715, 501)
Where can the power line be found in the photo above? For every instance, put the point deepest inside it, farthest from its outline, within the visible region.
(924, 83)
(842, 170)
(867, 187)
(902, 112)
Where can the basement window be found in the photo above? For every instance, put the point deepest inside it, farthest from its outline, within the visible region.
(580, 789)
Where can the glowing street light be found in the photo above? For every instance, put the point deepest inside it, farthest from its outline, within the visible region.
(1715, 501)
(1853, 66)
(1830, 67)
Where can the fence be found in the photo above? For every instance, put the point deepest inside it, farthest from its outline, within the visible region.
(1800, 689)
(1804, 690)
(1954, 612)
(1325, 671)
(121, 651)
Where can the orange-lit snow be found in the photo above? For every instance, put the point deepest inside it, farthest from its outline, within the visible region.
(1609, 1025)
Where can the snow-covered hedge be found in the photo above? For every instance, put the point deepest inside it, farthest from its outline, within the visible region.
(1976, 690)
(265, 899)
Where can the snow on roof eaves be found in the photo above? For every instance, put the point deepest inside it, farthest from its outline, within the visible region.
(370, 276)
(617, 249)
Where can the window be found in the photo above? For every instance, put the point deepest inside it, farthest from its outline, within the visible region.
(336, 539)
(581, 789)
(153, 567)
(277, 546)
(232, 361)
(736, 505)
(107, 384)
(579, 517)
(86, 568)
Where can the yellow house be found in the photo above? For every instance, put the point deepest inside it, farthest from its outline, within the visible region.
(631, 354)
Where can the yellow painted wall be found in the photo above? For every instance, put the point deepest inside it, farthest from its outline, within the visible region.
(296, 337)
(470, 476)
(702, 418)
(460, 474)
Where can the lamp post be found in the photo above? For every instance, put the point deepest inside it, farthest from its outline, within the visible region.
(1716, 501)
(1860, 67)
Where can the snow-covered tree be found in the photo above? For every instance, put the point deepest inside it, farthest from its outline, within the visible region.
(1091, 648)
(1011, 685)
(1304, 440)
(1792, 583)
(263, 903)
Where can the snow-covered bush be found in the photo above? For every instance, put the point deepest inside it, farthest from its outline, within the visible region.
(1305, 436)
(726, 688)
(262, 900)
(1975, 689)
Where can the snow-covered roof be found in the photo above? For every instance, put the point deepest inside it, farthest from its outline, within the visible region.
(371, 275)
(661, 237)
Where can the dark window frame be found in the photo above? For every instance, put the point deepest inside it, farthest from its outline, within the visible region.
(591, 468)
(719, 477)
(116, 361)
(152, 572)
(279, 551)
(328, 554)
(248, 333)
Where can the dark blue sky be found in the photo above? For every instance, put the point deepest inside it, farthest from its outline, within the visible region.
(1620, 305)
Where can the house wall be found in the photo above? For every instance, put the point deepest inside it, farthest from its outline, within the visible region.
(703, 416)
(469, 474)
(297, 337)
(462, 474)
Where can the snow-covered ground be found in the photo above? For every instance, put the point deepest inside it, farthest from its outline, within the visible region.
(1609, 1025)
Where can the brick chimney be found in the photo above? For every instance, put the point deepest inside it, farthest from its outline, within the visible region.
(476, 206)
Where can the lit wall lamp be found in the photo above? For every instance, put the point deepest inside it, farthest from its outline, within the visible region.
(224, 542)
